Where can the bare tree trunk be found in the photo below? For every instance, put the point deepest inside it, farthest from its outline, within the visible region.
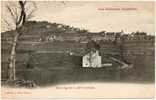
(19, 24)
(19, 21)
(12, 65)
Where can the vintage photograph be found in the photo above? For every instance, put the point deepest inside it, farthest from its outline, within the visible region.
(58, 43)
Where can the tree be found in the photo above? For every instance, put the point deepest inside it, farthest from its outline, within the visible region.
(19, 14)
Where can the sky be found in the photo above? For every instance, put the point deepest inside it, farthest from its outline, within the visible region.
(96, 16)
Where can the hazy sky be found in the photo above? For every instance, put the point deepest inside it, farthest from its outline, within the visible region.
(99, 16)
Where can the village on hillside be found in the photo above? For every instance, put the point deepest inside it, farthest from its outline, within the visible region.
(54, 53)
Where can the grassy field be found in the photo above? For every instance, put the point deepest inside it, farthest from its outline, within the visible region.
(54, 68)
(47, 69)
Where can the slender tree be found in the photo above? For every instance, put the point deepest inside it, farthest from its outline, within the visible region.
(19, 14)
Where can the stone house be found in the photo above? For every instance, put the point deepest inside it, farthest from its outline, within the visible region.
(92, 57)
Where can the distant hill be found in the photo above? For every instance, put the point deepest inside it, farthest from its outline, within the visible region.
(43, 29)
(44, 26)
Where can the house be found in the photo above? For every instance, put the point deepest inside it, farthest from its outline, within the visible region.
(92, 57)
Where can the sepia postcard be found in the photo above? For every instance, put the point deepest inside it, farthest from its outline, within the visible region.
(77, 49)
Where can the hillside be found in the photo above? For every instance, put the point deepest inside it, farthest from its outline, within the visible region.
(44, 51)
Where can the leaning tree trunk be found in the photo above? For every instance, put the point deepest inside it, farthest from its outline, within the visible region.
(12, 65)
(19, 31)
